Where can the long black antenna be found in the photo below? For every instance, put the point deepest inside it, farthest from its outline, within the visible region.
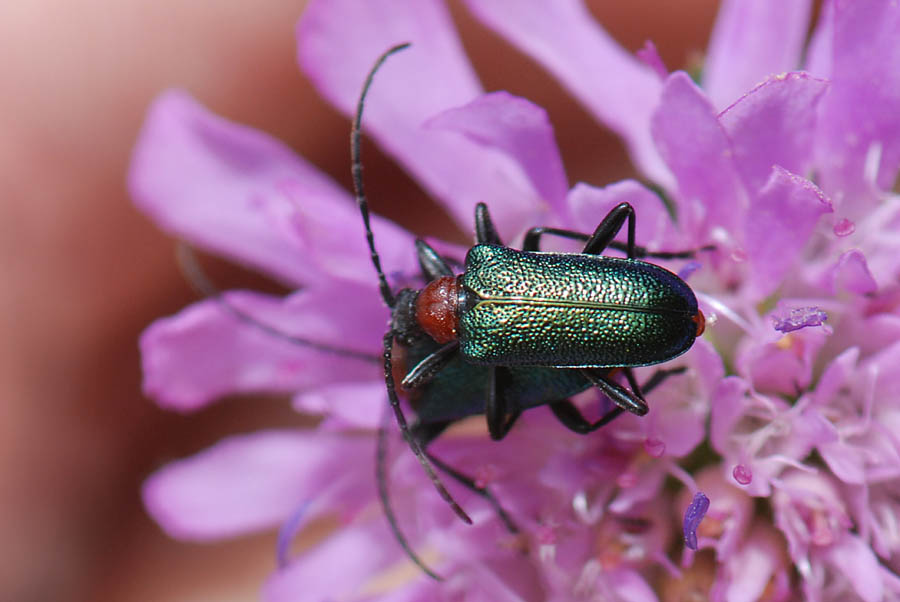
(391, 301)
(384, 496)
(203, 285)
(356, 170)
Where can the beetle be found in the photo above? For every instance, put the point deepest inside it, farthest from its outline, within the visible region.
(522, 328)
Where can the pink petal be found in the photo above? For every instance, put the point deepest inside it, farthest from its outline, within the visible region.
(251, 482)
(430, 77)
(847, 462)
(518, 128)
(774, 124)
(345, 566)
(850, 273)
(236, 191)
(783, 366)
(619, 90)
(649, 55)
(884, 363)
(751, 40)
(680, 407)
(345, 404)
(861, 114)
(727, 408)
(836, 375)
(653, 226)
(204, 352)
(857, 562)
(779, 223)
(753, 567)
(697, 150)
(629, 586)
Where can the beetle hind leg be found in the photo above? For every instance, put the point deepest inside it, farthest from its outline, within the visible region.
(572, 418)
(629, 400)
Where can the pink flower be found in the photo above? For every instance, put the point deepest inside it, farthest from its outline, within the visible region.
(790, 397)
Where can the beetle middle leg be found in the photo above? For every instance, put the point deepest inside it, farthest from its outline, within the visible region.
(500, 417)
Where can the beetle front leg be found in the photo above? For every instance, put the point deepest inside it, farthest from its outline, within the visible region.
(424, 371)
(469, 483)
(433, 265)
(499, 419)
(485, 232)
(425, 433)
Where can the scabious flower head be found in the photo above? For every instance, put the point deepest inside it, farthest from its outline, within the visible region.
(783, 158)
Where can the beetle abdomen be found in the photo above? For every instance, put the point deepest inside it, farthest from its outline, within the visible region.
(572, 310)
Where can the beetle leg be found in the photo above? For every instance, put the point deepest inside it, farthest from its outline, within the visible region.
(608, 228)
(659, 376)
(632, 382)
(433, 265)
(425, 433)
(631, 401)
(425, 370)
(469, 483)
(601, 238)
(532, 240)
(407, 436)
(485, 232)
(499, 418)
(533, 237)
(571, 417)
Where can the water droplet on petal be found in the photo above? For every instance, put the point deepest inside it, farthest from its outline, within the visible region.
(844, 227)
(655, 447)
(742, 474)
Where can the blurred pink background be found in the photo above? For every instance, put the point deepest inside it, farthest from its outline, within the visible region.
(83, 272)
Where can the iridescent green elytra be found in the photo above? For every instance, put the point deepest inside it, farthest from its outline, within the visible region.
(572, 310)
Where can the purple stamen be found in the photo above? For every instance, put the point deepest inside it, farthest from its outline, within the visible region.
(692, 517)
(798, 318)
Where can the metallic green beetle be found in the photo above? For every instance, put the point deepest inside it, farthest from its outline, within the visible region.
(520, 329)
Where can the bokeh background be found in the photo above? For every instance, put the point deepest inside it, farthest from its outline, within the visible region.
(83, 272)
